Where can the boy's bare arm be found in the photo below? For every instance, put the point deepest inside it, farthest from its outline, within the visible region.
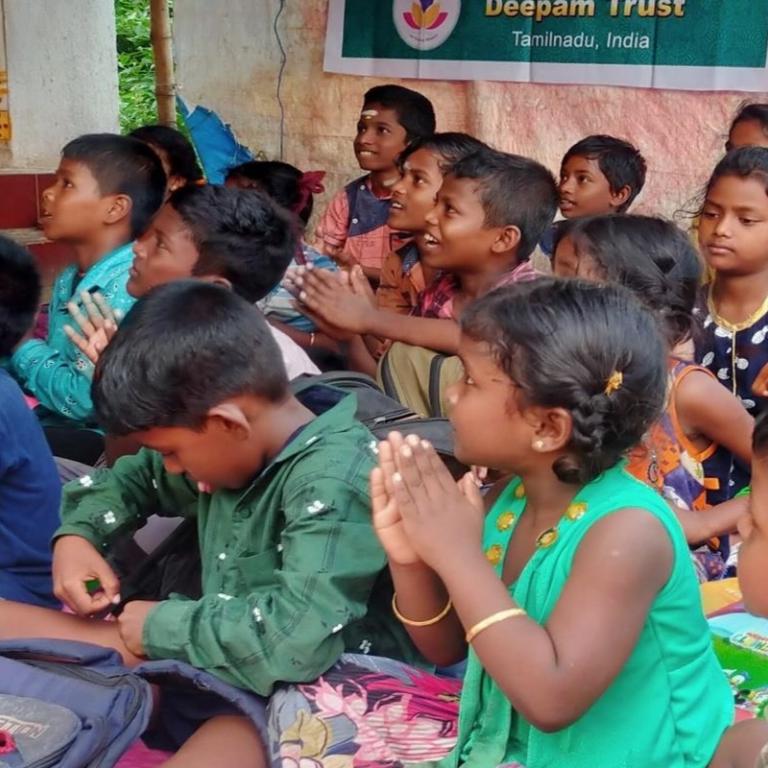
(330, 297)
(440, 335)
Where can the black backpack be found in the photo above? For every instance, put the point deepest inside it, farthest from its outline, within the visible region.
(383, 414)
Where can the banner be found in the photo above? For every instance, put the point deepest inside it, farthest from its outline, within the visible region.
(683, 44)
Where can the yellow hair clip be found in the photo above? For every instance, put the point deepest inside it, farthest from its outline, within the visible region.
(615, 380)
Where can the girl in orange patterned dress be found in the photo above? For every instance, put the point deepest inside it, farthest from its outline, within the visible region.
(656, 260)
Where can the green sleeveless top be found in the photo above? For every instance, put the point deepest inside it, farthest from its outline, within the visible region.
(669, 705)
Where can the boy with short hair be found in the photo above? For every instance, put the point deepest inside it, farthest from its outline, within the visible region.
(491, 209)
(422, 166)
(107, 189)
(354, 229)
(292, 573)
(598, 175)
(403, 277)
(30, 490)
(236, 238)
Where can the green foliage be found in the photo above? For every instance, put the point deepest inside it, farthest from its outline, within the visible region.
(135, 67)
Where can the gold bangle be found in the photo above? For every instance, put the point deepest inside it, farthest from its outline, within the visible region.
(494, 618)
(428, 623)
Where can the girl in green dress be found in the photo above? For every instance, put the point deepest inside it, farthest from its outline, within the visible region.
(575, 592)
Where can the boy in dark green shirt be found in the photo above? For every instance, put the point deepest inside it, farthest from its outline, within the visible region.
(291, 569)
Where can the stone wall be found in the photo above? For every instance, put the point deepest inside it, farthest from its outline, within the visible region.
(228, 59)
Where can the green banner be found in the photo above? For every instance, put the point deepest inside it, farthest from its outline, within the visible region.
(713, 43)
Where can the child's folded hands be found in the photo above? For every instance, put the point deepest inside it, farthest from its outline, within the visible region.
(441, 520)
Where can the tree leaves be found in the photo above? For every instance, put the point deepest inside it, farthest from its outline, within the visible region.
(135, 67)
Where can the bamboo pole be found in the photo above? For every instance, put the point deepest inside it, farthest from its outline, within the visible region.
(162, 52)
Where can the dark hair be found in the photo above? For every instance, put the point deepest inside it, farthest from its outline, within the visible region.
(180, 153)
(514, 190)
(122, 166)
(451, 147)
(743, 163)
(181, 350)
(19, 293)
(619, 161)
(240, 234)
(652, 257)
(760, 435)
(414, 110)
(281, 181)
(560, 342)
(750, 111)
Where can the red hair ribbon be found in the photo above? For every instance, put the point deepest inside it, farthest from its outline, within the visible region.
(310, 183)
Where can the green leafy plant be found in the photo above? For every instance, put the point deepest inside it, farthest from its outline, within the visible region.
(136, 71)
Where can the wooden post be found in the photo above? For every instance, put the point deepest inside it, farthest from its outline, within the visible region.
(162, 52)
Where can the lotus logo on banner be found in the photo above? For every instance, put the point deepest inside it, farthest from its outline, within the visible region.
(426, 24)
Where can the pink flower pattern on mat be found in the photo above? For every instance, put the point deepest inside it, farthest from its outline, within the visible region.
(364, 713)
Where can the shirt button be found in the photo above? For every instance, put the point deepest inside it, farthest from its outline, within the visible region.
(355, 221)
(223, 556)
(362, 186)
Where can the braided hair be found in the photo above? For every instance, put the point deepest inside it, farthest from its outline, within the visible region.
(564, 343)
(651, 256)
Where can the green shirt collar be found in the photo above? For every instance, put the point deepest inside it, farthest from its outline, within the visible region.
(338, 418)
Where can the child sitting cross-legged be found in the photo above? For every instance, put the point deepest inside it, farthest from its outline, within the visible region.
(106, 191)
(575, 591)
(403, 275)
(657, 261)
(490, 212)
(292, 572)
(235, 238)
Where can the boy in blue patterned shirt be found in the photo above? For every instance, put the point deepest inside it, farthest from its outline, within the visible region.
(107, 189)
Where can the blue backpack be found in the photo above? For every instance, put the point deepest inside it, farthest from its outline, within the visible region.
(67, 704)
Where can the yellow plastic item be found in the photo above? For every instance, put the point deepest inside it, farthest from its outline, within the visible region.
(716, 595)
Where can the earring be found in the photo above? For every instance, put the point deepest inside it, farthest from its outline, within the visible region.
(539, 445)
